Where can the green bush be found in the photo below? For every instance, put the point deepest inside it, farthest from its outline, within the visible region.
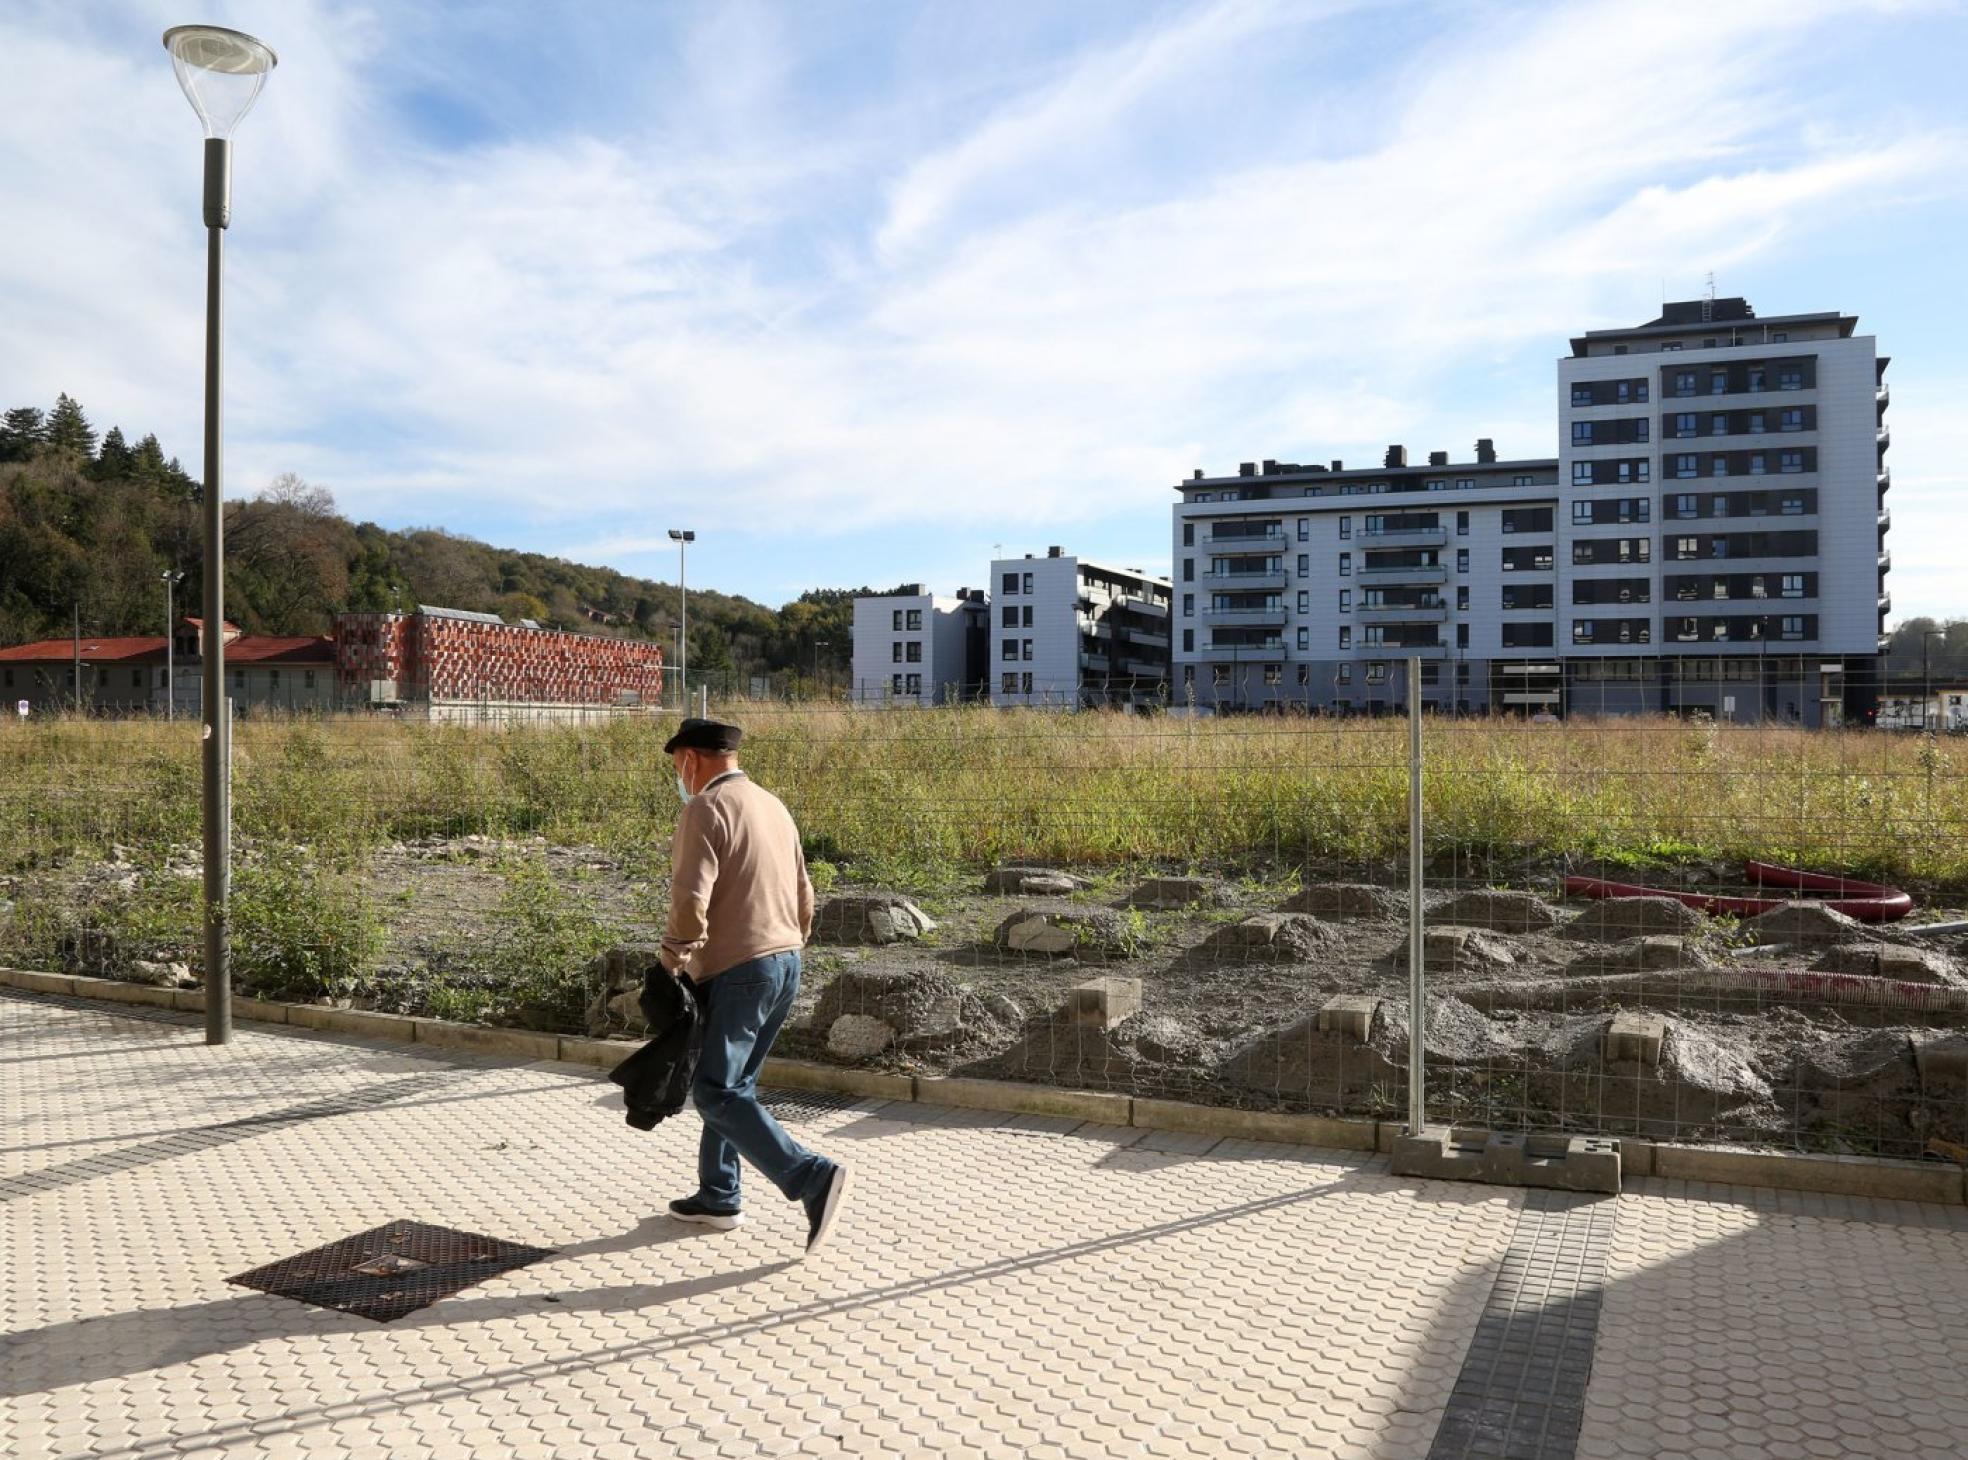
(299, 931)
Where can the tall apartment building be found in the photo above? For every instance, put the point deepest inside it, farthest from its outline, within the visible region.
(914, 647)
(1759, 590)
(1067, 632)
(1634, 572)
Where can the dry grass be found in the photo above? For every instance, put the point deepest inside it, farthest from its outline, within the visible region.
(911, 795)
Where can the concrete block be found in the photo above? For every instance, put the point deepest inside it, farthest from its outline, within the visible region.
(1103, 1002)
(1636, 1157)
(117, 992)
(259, 1011)
(1635, 1038)
(1793, 1171)
(39, 983)
(807, 1075)
(365, 1023)
(1510, 1158)
(1941, 1057)
(1255, 1125)
(1386, 1133)
(601, 1053)
(518, 1043)
(1020, 1099)
(1349, 1014)
(192, 1001)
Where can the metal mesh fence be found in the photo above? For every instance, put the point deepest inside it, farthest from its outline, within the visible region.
(1168, 905)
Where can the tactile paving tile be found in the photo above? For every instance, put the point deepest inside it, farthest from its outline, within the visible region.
(1521, 1392)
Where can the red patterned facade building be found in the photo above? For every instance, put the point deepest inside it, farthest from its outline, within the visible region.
(452, 664)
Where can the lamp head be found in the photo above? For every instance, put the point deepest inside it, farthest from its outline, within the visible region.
(679, 535)
(221, 72)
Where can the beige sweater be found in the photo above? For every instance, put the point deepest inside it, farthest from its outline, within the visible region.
(738, 883)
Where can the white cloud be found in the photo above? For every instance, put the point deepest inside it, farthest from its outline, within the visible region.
(820, 330)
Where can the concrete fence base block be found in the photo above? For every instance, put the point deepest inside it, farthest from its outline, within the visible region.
(116, 992)
(1349, 1014)
(832, 1079)
(1255, 1125)
(1018, 1099)
(255, 1011)
(366, 1023)
(1791, 1170)
(603, 1054)
(1511, 1158)
(1636, 1038)
(37, 983)
(1104, 1003)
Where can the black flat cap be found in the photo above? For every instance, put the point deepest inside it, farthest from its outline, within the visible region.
(695, 734)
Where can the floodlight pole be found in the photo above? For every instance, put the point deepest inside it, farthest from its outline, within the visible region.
(217, 801)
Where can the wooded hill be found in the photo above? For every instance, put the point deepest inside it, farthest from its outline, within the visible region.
(95, 522)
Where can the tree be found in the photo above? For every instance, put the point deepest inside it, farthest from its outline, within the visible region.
(69, 429)
(290, 490)
(114, 460)
(21, 431)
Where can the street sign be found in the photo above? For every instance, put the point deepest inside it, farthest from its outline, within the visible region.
(21, 709)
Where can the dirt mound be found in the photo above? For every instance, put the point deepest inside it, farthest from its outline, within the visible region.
(1179, 892)
(1088, 933)
(1704, 1085)
(1861, 1089)
(1503, 912)
(1891, 960)
(1266, 938)
(1015, 881)
(1458, 950)
(1347, 900)
(870, 917)
(1149, 1053)
(1619, 918)
(1641, 955)
(1809, 923)
(924, 1010)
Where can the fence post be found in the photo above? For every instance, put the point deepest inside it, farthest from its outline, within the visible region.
(1417, 989)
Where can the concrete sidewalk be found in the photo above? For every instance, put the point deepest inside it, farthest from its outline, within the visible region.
(1002, 1286)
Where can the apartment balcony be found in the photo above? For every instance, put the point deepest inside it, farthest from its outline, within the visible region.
(1413, 573)
(1400, 651)
(1885, 518)
(1245, 653)
(1885, 480)
(1396, 613)
(1245, 582)
(1408, 537)
(1885, 559)
(1885, 437)
(1226, 535)
(1885, 603)
(1274, 614)
(1134, 603)
(1884, 395)
(1156, 669)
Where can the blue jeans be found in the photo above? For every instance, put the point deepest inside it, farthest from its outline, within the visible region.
(744, 1007)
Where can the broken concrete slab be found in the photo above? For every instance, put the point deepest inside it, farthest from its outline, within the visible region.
(1103, 1002)
(1653, 953)
(1350, 1014)
(858, 1037)
(1178, 892)
(1635, 1038)
(1081, 932)
(879, 918)
(1498, 911)
(1021, 881)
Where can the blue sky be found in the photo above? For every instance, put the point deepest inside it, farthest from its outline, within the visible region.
(860, 290)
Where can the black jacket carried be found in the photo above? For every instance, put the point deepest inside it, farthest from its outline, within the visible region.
(655, 1080)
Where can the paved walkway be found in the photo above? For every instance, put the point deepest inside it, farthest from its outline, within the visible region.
(1003, 1285)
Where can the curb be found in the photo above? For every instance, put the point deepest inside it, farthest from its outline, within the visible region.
(1870, 1176)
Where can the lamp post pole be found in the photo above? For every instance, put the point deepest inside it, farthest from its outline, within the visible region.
(683, 537)
(1927, 637)
(221, 72)
(170, 647)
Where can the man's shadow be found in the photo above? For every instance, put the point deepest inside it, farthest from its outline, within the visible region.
(115, 1345)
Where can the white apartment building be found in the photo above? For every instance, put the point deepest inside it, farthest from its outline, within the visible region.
(1652, 566)
(919, 648)
(1068, 632)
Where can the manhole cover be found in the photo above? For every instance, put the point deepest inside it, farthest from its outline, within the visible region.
(390, 1271)
(805, 1104)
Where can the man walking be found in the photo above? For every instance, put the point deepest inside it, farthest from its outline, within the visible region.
(741, 908)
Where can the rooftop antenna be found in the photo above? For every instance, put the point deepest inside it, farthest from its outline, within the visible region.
(1708, 299)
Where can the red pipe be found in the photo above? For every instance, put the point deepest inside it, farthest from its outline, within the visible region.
(1868, 902)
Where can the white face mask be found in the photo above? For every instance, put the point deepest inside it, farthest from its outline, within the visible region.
(683, 791)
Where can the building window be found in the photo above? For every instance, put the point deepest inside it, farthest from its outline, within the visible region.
(895, 621)
(1346, 565)
(1790, 380)
(1759, 464)
(914, 685)
(1581, 477)
(1188, 605)
(1344, 674)
(1008, 684)
(1684, 424)
(1792, 628)
(1376, 671)
(1792, 585)
(1345, 527)
(1684, 382)
(1028, 617)
(1188, 570)
(1010, 586)
(307, 679)
(1581, 433)
(1462, 560)
(1188, 641)
(1305, 600)
(1791, 420)
(895, 652)
(1188, 534)
(1025, 681)
(1028, 585)
(914, 655)
(1718, 425)
(1305, 529)
(1010, 616)
(239, 679)
(1462, 598)
(1790, 461)
(1345, 600)
(915, 621)
(1687, 465)
(1304, 637)
(1581, 511)
(1462, 636)
(1718, 382)
(1791, 505)
(1346, 636)
(1009, 649)
(1304, 674)
(1462, 524)
(136, 679)
(1028, 650)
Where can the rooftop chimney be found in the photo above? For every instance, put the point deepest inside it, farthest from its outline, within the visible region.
(1338, 465)
(1396, 456)
(1246, 468)
(1438, 458)
(1270, 467)
(1053, 552)
(1486, 450)
(1199, 474)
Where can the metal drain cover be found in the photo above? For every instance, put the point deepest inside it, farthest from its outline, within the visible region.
(389, 1271)
(805, 1104)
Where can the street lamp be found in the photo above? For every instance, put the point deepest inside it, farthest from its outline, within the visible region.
(818, 645)
(1927, 636)
(683, 538)
(171, 580)
(221, 72)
